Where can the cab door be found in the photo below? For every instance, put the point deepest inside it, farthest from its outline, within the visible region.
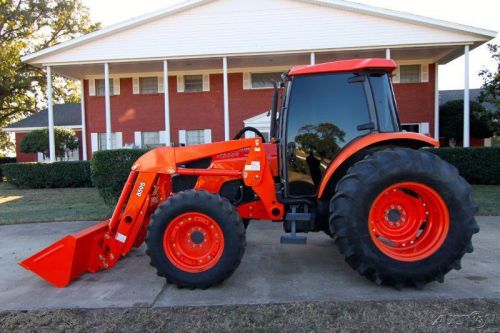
(323, 114)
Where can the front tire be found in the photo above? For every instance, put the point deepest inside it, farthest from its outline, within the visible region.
(403, 217)
(196, 239)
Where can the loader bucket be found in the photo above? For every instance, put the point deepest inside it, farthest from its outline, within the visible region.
(67, 259)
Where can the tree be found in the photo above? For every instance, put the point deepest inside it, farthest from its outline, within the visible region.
(451, 120)
(491, 81)
(38, 142)
(324, 139)
(27, 26)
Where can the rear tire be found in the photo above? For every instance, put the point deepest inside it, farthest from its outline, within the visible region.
(196, 239)
(442, 213)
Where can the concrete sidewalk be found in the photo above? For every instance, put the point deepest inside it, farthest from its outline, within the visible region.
(270, 273)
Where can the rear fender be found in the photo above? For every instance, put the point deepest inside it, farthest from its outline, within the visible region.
(404, 139)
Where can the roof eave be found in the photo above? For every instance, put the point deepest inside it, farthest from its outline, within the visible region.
(30, 58)
(367, 9)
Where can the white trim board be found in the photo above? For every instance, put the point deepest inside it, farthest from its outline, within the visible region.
(29, 129)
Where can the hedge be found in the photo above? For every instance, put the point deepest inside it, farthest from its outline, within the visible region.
(110, 170)
(5, 160)
(48, 175)
(480, 166)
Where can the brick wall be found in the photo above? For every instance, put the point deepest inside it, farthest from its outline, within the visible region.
(205, 110)
(416, 101)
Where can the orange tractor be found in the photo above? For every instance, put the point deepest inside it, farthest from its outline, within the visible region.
(337, 161)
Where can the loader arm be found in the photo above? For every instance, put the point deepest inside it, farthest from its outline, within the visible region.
(149, 183)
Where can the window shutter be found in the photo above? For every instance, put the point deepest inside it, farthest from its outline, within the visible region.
(116, 86)
(208, 136)
(138, 139)
(247, 81)
(94, 139)
(206, 82)
(182, 137)
(424, 73)
(163, 138)
(118, 140)
(396, 75)
(180, 83)
(92, 87)
(136, 86)
(160, 84)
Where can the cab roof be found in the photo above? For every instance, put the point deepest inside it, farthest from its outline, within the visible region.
(386, 65)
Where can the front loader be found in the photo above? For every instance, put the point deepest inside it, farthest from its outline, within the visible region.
(337, 162)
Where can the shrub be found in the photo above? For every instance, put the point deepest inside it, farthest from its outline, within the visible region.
(37, 141)
(476, 165)
(48, 175)
(5, 160)
(110, 170)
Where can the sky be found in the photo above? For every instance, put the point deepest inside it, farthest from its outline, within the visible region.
(477, 13)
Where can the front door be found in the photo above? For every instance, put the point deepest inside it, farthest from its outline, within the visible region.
(324, 112)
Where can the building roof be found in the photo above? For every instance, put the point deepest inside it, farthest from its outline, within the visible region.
(198, 28)
(65, 115)
(446, 96)
(345, 66)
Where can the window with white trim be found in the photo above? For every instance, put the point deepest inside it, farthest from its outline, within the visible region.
(101, 141)
(264, 80)
(410, 73)
(151, 140)
(148, 85)
(193, 83)
(100, 87)
(195, 137)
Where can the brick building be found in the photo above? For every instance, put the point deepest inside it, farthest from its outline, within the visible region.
(199, 71)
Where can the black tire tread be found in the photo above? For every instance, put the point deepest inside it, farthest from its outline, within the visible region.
(373, 165)
(217, 201)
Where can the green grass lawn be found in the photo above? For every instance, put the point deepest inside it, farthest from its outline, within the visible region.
(488, 199)
(48, 205)
(80, 204)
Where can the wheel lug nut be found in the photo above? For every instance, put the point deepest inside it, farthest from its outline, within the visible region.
(404, 245)
(397, 224)
(412, 242)
(374, 230)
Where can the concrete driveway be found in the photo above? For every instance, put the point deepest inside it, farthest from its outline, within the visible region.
(270, 273)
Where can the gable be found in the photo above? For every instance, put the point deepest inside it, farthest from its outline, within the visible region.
(231, 27)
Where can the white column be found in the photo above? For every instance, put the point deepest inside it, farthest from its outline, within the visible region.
(50, 108)
(84, 123)
(436, 102)
(167, 103)
(313, 58)
(226, 100)
(467, 100)
(108, 107)
(388, 53)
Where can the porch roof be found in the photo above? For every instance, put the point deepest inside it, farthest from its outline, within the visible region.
(198, 33)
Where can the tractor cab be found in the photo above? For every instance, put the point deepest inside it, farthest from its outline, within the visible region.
(325, 109)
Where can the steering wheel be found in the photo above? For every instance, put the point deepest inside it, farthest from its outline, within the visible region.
(249, 129)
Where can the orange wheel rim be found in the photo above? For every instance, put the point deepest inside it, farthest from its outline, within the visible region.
(409, 221)
(193, 242)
